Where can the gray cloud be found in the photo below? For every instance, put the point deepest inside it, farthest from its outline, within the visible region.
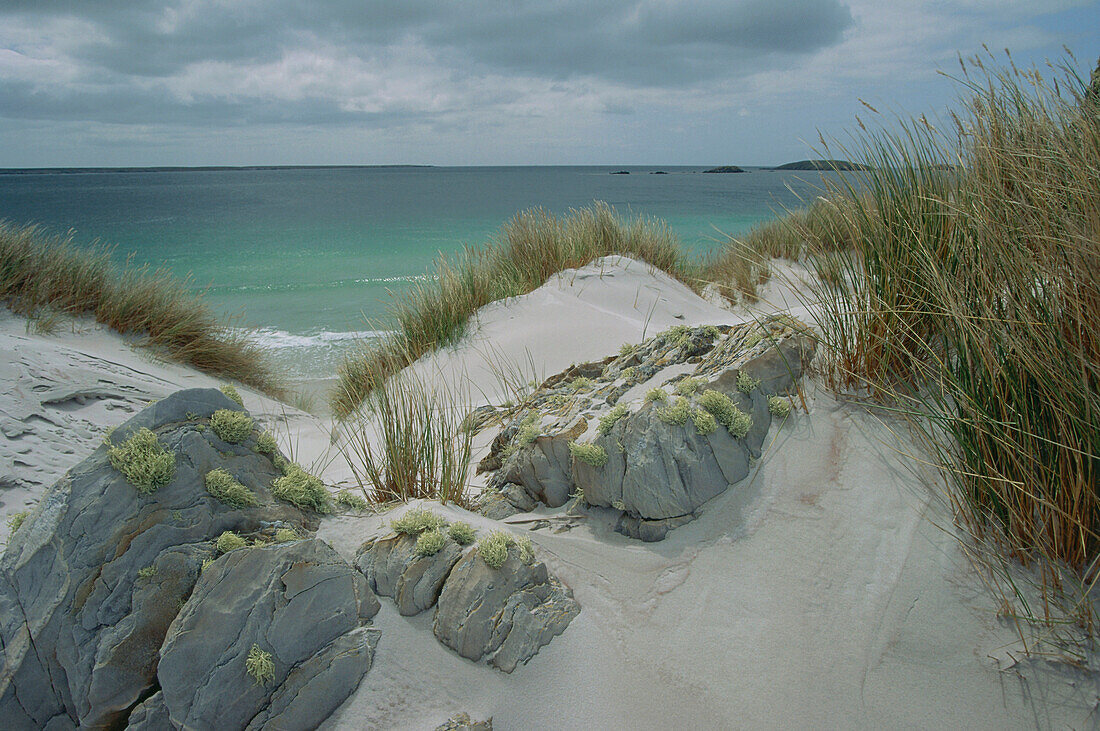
(119, 51)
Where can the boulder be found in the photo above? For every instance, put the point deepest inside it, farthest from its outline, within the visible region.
(92, 580)
(503, 614)
(301, 603)
(393, 569)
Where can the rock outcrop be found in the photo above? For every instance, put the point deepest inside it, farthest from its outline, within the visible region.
(96, 575)
(393, 569)
(503, 614)
(655, 432)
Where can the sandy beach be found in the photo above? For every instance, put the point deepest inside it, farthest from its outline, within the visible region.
(825, 590)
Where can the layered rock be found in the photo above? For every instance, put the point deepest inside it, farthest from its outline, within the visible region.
(394, 569)
(91, 582)
(654, 466)
(502, 614)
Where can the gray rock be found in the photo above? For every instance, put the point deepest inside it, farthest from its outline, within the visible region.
(543, 469)
(649, 530)
(505, 614)
(413, 582)
(462, 722)
(506, 500)
(80, 628)
(298, 601)
(150, 715)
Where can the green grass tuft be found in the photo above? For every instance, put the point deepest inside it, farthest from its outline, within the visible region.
(656, 394)
(688, 386)
(704, 421)
(461, 533)
(15, 522)
(231, 426)
(779, 406)
(736, 421)
(417, 521)
(301, 489)
(493, 548)
(232, 394)
(260, 666)
(608, 420)
(746, 383)
(676, 414)
(224, 487)
(229, 541)
(350, 501)
(589, 453)
(283, 535)
(147, 573)
(266, 444)
(143, 461)
(430, 542)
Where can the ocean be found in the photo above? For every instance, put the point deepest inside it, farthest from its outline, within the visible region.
(310, 257)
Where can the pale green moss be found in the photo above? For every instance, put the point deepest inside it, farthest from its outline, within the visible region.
(229, 541)
(678, 335)
(191, 416)
(526, 549)
(430, 542)
(689, 385)
(628, 373)
(260, 666)
(780, 407)
(147, 573)
(224, 487)
(350, 501)
(704, 421)
(592, 454)
(143, 461)
(15, 522)
(206, 564)
(529, 430)
(727, 414)
(417, 521)
(746, 383)
(677, 414)
(266, 444)
(231, 426)
(753, 339)
(627, 348)
(580, 384)
(461, 533)
(231, 393)
(301, 489)
(282, 535)
(493, 548)
(657, 394)
(608, 421)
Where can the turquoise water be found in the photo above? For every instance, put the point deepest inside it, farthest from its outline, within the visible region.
(310, 256)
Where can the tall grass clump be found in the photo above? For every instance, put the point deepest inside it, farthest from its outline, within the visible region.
(410, 441)
(971, 293)
(40, 273)
(530, 248)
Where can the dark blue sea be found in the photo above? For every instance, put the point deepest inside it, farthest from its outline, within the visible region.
(311, 256)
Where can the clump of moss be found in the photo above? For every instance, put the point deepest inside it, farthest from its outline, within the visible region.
(526, 548)
(746, 383)
(206, 564)
(224, 487)
(301, 489)
(704, 421)
(143, 461)
(231, 426)
(736, 421)
(229, 541)
(529, 430)
(689, 385)
(628, 373)
(282, 535)
(417, 521)
(589, 453)
(461, 533)
(676, 335)
(147, 573)
(430, 542)
(231, 393)
(580, 383)
(627, 348)
(15, 522)
(493, 548)
(608, 421)
(260, 666)
(677, 414)
(657, 394)
(266, 444)
(780, 407)
(349, 500)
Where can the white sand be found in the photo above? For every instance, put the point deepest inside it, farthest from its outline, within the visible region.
(817, 593)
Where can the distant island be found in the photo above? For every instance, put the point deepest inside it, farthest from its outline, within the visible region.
(822, 165)
(725, 169)
(621, 172)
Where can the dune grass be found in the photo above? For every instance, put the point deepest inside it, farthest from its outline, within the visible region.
(43, 275)
(531, 248)
(963, 282)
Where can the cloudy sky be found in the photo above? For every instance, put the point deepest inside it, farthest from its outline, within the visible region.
(478, 82)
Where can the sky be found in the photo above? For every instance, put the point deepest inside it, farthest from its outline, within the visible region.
(490, 82)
